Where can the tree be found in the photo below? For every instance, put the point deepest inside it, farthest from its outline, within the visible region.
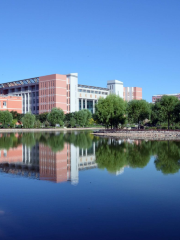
(177, 112)
(111, 110)
(5, 117)
(138, 110)
(37, 124)
(28, 120)
(56, 116)
(72, 122)
(43, 117)
(16, 115)
(167, 108)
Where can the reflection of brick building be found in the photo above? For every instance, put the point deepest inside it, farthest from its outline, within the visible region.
(11, 156)
(54, 166)
(42, 163)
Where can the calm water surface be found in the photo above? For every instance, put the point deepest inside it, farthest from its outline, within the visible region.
(77, 186)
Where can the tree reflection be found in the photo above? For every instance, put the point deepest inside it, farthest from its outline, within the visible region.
(139, 155)
(8, 141)
(168, 157)
(114, 156)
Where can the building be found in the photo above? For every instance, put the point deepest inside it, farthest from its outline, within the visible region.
(11, 103)
(41, 94)
(132, 93)
(156, 97)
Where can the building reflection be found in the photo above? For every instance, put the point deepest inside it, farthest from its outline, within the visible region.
(40, 162)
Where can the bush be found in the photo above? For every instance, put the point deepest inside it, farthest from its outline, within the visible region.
(28, 120)
(37, 124)
(46, 124)
(72, 122)
(56, 116)
(5, 126)
(18, 126)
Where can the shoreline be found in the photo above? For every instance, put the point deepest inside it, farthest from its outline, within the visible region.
(141, 135)
(12, 130)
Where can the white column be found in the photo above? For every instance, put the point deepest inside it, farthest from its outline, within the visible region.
(24, 102)
(85, 103)
(93, 106)
(28, 101)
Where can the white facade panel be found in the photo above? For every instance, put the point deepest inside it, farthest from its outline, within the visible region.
(73, 80)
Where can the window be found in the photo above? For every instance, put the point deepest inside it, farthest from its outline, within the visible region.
(84, 90)
(79, 90)
(99, 92)
(96, 92)
(88, 91)
(92, 91)
(4, 104)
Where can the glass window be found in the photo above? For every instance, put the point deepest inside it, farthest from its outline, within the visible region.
(79, 104)
(88, 91)
(92, 91)
(79, 90)
(96, 92)
(4, 104)
(99, 92)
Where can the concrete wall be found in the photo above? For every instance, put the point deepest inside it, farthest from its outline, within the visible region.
(11, 103)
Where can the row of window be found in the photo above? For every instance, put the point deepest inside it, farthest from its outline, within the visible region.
(46, 92)
(47, 84)
(91, 91)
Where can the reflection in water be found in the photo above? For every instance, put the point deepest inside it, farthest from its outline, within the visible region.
(59, 157)
(54, 157)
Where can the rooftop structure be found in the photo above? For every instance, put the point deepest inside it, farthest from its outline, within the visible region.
(159, 96)
(41, 94)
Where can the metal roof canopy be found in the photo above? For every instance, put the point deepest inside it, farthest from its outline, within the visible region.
(20, 82)
(92, 87)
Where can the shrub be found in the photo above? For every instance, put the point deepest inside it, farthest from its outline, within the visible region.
(28, 120)
(37, 124)
(56, 116)
(72, 122)
(46, 124)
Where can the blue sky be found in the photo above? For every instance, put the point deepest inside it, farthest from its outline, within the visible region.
(134, 41)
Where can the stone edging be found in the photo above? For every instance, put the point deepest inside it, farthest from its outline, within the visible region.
(12, 130)
(141, 134)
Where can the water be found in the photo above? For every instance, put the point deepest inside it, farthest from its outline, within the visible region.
(77, 186)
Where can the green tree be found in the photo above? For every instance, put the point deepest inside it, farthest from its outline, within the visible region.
(110, 111)
(5, 117)
(167, 108)
(16, 115)
(56, 116)
(43, 117)
(177, 112)
(155, 113)
(72, 122)
(28, 120)
(138, 110)
(37, 124)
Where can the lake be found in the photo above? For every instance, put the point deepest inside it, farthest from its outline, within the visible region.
(73, 185)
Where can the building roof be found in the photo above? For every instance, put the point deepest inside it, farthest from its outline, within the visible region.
(20, 82)
(92, 87)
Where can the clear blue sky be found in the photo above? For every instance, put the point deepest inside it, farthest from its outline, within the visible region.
(134, 41)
